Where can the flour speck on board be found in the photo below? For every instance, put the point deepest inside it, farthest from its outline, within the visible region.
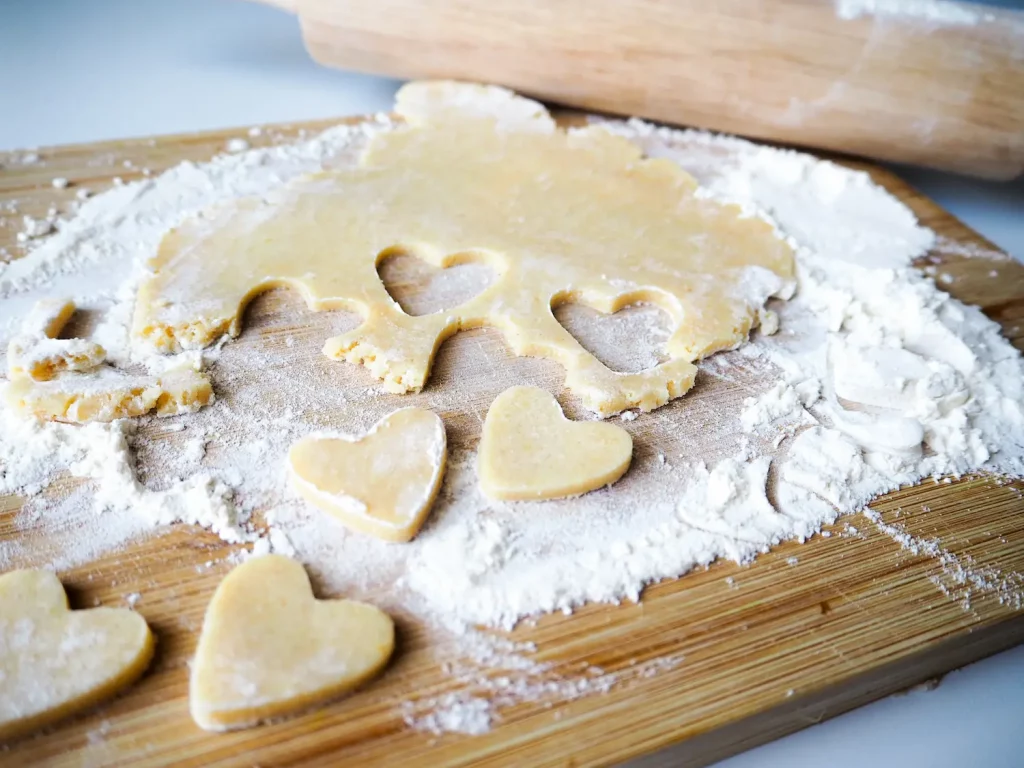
(873, 378)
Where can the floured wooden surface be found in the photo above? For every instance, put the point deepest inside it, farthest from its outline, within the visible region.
(700, 653)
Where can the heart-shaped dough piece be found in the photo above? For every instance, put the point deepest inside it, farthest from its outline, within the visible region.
(382, 483)
(529, 450)
(55, 661)
(269, 648)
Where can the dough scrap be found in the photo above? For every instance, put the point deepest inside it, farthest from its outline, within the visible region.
(64, 379)
(530, 450)
(479, 174)
(268, 648)
(55, 661)
(36, 351)
(383, 483)
(106, 395)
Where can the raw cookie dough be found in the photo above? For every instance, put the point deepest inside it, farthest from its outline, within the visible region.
(64, 380)
(54, 661)
(479, 174)
(36, 351)
(106, 395)
(382, 483)
(529, 450)
(268, 648)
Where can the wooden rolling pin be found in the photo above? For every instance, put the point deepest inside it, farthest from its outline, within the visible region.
(929, 82)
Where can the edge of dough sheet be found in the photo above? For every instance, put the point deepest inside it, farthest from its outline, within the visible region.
(713, 287)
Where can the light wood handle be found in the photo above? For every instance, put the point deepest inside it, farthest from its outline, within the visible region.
(938, 84)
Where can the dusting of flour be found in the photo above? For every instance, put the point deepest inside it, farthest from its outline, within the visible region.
(939, 13)
(875, 379)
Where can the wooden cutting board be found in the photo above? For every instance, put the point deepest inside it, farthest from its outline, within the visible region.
(742, 654)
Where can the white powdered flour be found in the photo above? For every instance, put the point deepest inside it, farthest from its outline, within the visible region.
(939, 13)
(875, 379)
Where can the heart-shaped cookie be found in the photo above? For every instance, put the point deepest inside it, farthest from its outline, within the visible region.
(269, 648)
(529, 450)
(55, 661)
(382, 483)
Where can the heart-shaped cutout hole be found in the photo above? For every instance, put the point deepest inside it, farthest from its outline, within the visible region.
(628, 341)
(422, 289)
(269, 648)
(530, 450)
(55, 661)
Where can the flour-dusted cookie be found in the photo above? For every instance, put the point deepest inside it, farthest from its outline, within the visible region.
(55, 661)
(529, 450)
(382, 483)
(269, 648)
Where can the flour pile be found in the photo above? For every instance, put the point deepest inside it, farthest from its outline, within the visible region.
(875, 379)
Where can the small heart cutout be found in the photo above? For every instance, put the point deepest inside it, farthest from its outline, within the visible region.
(55, 661)
(529, 450)
(269, 648)
(382, 483)
(629, 340)
(422, 289)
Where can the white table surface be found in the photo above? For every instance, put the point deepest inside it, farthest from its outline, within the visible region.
(82, 70)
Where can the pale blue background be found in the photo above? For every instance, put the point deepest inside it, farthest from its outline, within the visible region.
(81, 70)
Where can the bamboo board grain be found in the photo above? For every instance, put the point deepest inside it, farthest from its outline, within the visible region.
(756, 652)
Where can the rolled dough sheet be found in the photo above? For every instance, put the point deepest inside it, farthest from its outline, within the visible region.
(558, 215)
